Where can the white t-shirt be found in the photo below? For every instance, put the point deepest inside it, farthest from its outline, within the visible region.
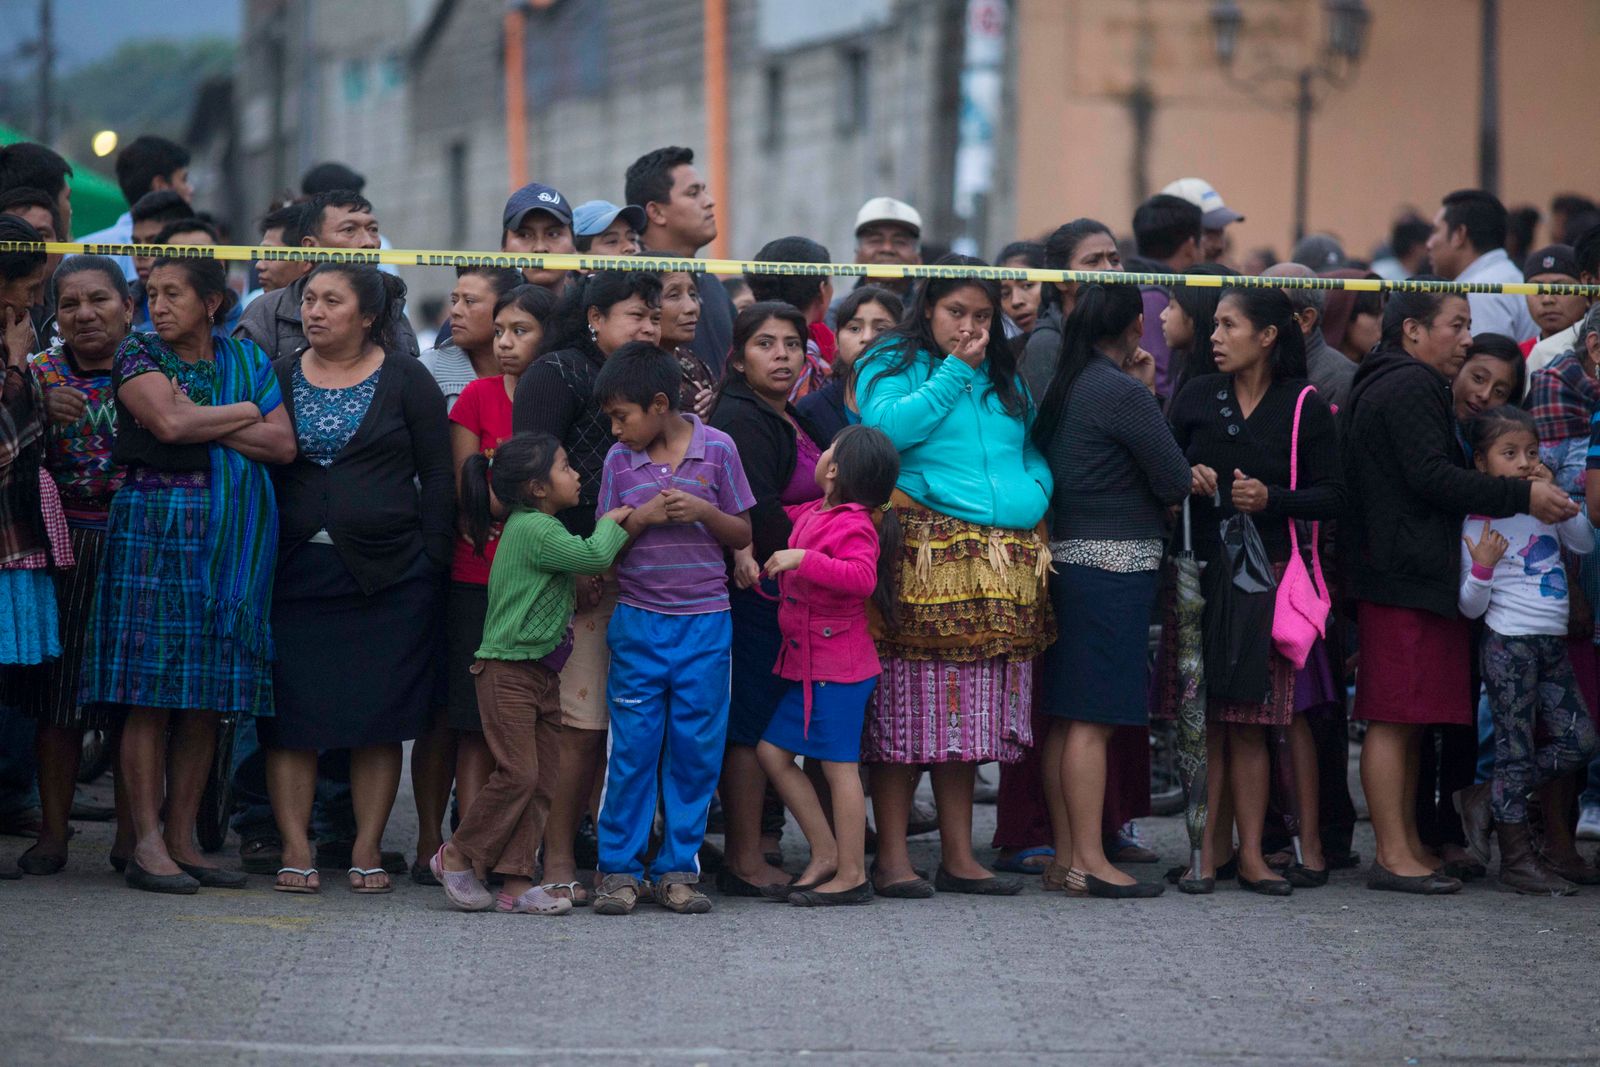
(1526, 592)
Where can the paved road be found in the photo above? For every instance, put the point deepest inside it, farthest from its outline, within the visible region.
(95, 973)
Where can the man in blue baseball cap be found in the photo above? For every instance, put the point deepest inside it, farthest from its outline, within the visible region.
(605, 229)
(538, 221)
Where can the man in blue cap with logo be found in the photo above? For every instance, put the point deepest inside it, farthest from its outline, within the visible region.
(538, 221)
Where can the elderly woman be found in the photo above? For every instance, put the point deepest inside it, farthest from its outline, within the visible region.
(957, 673)
(1409, 489)
(179, 629)
(93, 311)
(367, 507)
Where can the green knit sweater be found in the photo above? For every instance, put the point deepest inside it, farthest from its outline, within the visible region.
(531, 591)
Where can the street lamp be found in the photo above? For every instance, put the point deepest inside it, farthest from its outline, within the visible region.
(1347, 33)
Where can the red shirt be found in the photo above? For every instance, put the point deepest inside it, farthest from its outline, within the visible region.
(485, 409)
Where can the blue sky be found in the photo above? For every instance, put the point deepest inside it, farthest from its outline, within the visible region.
(87, 30)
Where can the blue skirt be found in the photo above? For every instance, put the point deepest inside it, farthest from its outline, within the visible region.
(29, 630)
(1098, 670)
(756, 641)
(838, 710)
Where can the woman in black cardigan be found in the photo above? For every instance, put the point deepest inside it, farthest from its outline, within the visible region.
(779, 449)
(1236, 429)
(1400, 554)
(362, 554)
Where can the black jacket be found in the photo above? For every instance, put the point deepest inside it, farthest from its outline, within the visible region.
(826, 409)
(767, 451)
(555, 395)
(369, 499)
(1409, 487)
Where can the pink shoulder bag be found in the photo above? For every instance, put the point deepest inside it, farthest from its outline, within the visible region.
(1300, 615)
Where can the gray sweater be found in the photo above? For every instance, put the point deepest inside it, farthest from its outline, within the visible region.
(1116, 464)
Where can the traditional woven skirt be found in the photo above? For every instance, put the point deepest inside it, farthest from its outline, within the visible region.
(49, 692)
(957, 682)
(150, 644)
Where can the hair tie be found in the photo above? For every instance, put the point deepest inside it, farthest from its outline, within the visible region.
(885, 506)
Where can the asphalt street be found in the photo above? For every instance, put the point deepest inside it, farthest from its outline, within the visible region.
(96, 973)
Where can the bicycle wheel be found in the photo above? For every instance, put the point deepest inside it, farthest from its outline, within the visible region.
(216, 805)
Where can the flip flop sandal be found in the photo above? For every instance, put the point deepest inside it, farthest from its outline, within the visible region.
(1018, 864)
(369, 872)
(303, 872)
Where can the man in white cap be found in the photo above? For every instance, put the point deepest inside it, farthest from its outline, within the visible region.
(1215, 215)
(887, 231)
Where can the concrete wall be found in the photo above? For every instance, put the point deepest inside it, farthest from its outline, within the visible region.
(1403, 132)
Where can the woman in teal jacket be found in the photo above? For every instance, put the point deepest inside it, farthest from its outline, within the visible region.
(957, 682)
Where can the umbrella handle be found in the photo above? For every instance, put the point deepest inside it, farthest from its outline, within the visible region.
(1188, 541)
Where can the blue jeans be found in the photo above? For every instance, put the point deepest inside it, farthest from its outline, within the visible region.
(19, 779)
(332, 818)
(668, 695)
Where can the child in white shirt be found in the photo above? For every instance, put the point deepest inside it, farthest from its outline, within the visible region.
(1513, 576)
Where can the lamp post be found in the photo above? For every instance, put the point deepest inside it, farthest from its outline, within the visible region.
(1347, 29)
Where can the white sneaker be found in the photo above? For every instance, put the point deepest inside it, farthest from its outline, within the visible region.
(1589, 824)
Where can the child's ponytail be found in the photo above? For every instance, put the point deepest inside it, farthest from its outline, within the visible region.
(869, 466)
(890, 539)
(519, 463)
(477, 501)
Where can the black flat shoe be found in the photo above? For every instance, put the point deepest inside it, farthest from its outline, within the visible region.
(216, 877)
(1197, 887)
(139, 878)
(29, 863)
(1464, 870)
(118, 863)
(1226, 873)
(422, 874)
(1302, 877)
(1381, 878)
(945, 882)
(731, 885)
(784, 890)
(1097, 887)
(10, 874)
(1267, 887)
(811, 898)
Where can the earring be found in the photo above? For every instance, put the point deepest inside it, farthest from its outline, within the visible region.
(592, 335)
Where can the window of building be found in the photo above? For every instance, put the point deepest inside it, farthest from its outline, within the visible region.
(772, 122)
(458, 194)
(354, 80)
(853, 100)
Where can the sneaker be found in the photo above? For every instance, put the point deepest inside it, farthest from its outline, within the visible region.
(1589, 823)
(617, 895)
(683, 898)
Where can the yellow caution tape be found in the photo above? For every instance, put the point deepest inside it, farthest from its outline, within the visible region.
(404, 257)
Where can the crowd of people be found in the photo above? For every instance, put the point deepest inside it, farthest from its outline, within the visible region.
(626, 552)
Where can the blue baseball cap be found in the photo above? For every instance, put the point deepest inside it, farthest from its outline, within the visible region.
(590, 219)
(535, 197)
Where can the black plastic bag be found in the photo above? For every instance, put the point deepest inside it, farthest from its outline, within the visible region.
(1238, 618)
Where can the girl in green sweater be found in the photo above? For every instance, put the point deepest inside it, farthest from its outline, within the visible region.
(527, 636)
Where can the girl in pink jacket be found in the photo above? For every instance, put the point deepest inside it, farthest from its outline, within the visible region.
(840, 553)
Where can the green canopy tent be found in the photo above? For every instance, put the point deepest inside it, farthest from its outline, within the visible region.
(96, 200)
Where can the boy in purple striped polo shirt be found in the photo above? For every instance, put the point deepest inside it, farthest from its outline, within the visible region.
(671, 635)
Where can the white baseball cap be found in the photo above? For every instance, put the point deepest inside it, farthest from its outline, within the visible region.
(888, 209)
(1214, 213)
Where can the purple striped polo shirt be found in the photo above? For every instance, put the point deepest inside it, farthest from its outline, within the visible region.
(676, 569)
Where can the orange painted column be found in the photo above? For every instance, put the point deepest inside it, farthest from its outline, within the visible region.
(516, 25)
(716, 83)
